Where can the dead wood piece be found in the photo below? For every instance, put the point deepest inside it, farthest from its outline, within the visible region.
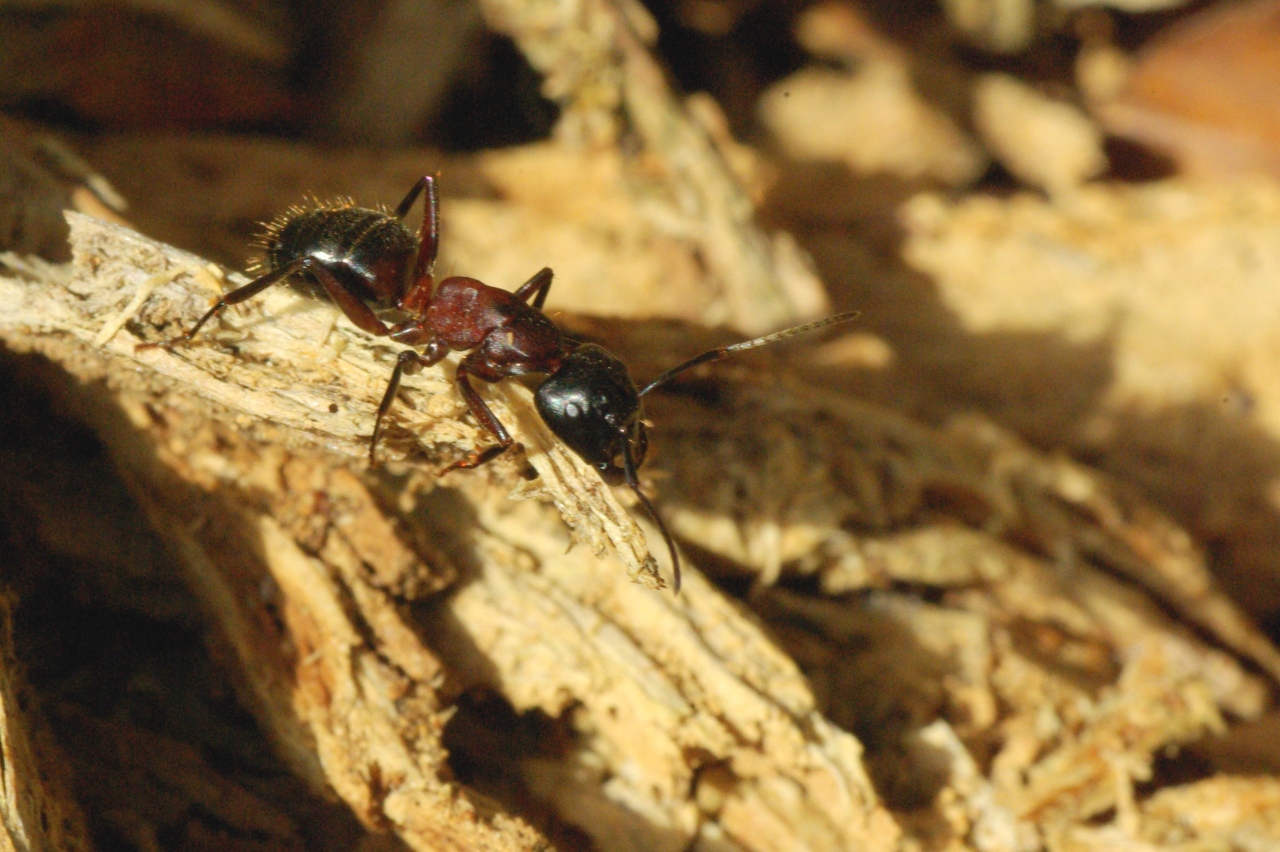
(1018, 637)
(785, 479)
(687, 721)
(1073, 738)
(663, 691)
(1168, 383)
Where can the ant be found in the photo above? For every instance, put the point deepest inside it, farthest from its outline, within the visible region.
(368, 263)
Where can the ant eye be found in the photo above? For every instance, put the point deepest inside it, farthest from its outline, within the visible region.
(572, 410)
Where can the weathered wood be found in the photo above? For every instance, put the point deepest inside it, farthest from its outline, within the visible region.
(241, 463)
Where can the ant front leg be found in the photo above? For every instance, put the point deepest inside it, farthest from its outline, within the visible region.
(539, 285)
(481, 413)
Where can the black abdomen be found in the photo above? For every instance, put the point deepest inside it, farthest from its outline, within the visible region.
(367, 250)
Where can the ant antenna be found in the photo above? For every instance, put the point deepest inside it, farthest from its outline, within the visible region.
(717, 354)
(628, 460)
(629, 468)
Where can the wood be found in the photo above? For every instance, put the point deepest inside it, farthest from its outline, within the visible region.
(308, 571)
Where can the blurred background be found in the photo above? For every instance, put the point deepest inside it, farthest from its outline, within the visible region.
(1061, 216)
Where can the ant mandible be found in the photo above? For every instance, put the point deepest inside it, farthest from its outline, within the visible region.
(367, 262)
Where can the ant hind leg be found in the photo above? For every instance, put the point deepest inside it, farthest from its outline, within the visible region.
(235, 297)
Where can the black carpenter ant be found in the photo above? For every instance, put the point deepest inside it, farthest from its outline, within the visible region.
(367, 262)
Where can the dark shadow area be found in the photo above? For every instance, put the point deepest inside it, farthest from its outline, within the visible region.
(871, 677)
(1215, 472)
(731, 51)
(488, 744)
(284, 69)
(114, 650)
(1133, 162)
(497, 103)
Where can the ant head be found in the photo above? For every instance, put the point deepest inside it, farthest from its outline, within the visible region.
(592, 405)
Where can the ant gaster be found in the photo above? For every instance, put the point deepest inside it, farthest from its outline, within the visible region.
(368, 264)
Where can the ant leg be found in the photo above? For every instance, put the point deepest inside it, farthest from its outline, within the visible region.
(236, 296)
(429, 232)
(539, 285)
(417, 298)
(348, 302)
(402, 209)
(480, 412)
(408, 362)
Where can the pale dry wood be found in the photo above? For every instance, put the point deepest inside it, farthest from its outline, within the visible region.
(690, 722)
(1184, 402)
(1086, 679)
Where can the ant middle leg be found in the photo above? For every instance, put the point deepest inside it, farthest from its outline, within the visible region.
(539, 285)
(486, 418)
(408, 363)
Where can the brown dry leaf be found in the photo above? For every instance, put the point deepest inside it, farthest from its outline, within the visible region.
(1204, 92)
